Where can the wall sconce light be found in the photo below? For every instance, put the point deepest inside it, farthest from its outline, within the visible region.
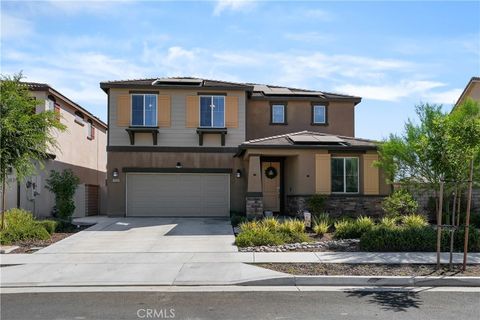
(115, 173)
(239, 173)
(179, 165)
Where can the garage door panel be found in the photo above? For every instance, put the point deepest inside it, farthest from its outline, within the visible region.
(178, 195)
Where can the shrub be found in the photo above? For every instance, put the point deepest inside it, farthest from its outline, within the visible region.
(237, 218)
(350, 229)
(399, 203)
(388, 222)
(63, 185)
(414, 221)
(321, 228)
(475, 219)
(49, 225)
(398, 239)
(316, 203)
(270, 231)
(20, 226)
(322, 218)
(408, 238)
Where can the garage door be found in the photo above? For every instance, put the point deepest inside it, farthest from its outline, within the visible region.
(181, 195)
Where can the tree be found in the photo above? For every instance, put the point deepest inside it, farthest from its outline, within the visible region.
(26, 137)
(443, 147)
(63, 185)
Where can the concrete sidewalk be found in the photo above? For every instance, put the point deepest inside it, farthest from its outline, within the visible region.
(233, 257)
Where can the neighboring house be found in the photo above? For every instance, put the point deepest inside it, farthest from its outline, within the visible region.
(197, 147)
(81, 148)
(472, 91)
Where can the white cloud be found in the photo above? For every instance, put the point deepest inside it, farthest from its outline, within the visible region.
(90, 6)
(318, 14)
(233, 5)
(445, 97)
(15, 28)
(391, 92)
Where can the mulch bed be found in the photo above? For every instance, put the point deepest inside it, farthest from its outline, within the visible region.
(335, 269)
(31, 246)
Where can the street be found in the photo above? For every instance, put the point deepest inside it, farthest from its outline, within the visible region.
(350, 304)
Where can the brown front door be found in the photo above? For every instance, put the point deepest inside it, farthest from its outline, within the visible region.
(271, 186)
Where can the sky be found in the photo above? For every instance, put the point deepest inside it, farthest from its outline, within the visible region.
(394, 55)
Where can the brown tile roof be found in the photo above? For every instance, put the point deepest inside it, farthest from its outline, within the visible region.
(309, 139)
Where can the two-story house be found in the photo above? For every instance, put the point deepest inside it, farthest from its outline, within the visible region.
(81, 148)
(197, 147)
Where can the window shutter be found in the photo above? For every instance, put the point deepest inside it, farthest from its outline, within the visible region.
(164, 111)
(57, 111)
(93, 132)
(231, 112)
(370, 175)
(123, 110)
(323, 173)
(192, 112)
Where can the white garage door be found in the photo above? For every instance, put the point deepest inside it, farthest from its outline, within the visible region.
(178, 195)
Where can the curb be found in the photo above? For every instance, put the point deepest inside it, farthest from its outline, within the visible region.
(387, 281)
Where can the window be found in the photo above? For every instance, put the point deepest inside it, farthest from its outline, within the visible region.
(319, 114)
(144, 110)
(278, 113)
(212, 111)
(345, 175)
(90, 130)
(79, 118)
(49, 104)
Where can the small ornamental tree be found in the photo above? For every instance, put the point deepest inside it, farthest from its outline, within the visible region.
(399, 203)
(63, 185)
(26, 137)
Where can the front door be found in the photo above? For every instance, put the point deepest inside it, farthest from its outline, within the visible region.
(271, 186)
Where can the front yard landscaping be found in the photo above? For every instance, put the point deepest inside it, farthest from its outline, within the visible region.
(29, 234)
(409, 233)
(337, 269)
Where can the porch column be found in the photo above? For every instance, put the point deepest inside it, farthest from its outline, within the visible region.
(254, 200)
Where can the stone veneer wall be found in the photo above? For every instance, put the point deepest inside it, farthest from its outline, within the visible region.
(341, 206)
(254, 207)
(423, 198)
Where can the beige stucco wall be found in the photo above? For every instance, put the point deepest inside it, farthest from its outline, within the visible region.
(340, 119)
(178, 135)
(473, 92)
(86, 158)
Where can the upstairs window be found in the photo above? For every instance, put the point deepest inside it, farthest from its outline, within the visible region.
(144, 110)
(90, 130)
(344, 175)
(319, 114)
(79, 118)
(278, 114)
(212, 111)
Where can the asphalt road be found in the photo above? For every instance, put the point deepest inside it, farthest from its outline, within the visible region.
(242, 305)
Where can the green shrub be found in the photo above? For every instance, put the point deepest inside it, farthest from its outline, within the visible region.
(399, 203)
(411, 239)
(398, 239)
(414, 221)
(475, 219)
(258, 237)
(351, 229)
(316, 204)
(270, 231)
(20, 226)
(291, 226)
(321, 228)
(388, 222)
(322, 218)
(63, 185)
(49, 225)
(237, 218)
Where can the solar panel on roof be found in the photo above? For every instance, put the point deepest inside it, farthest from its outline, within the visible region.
(316, 139)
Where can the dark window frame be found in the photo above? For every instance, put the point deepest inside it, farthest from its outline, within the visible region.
(344, 158)
(285, 121)
(144, 94)
(313, 123)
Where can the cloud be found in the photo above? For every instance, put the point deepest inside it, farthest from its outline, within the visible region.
(15, 28)
(391, 92)
(445, 97)
(318, 14)
(233, 5)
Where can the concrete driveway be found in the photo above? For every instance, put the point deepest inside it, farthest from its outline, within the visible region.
(137, 235)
